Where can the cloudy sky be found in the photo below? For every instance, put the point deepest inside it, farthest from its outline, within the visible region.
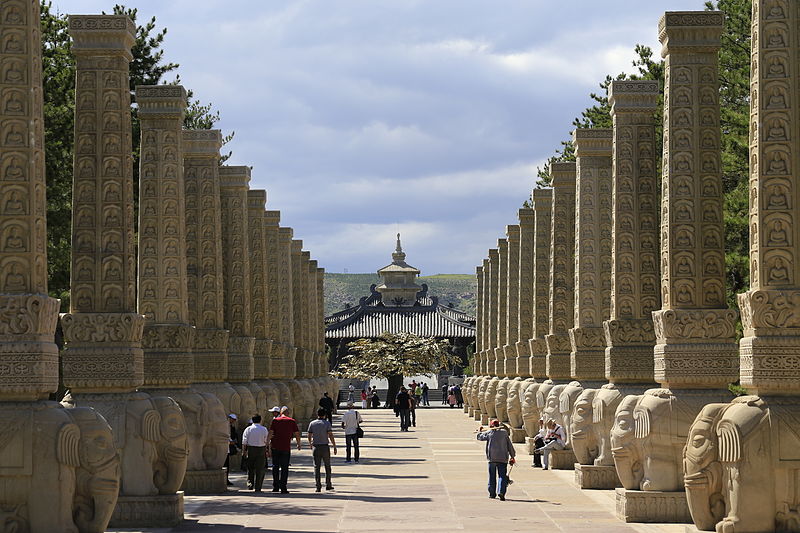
(362, 117)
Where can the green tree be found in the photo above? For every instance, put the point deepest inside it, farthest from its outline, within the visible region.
(394, 355)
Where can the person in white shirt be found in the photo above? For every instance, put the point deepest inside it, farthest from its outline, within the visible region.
(254, 448)
(554, 440)
(538, 442)
(351, 421)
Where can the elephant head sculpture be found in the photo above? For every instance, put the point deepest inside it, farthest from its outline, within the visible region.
(702, 470)
(482, 387)
(604, 408)
(582, 435)
(530, 413)
(172, 446)
(259, 397)
(500, 399)
(552, 404)
(97, 480)
(625, 448)
(248, 405)
(514, 403)
(195, 411)
(491, 393)
(215, 433)
(285, 393)
(541, 398)
(136, 439)
(566, 401)
(466, 391)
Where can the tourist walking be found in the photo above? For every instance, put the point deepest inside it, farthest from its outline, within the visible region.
(554, 440)
(320, 432)
(350, 391)
(412, 404)
(418, 394)
(402, 404)
(376, 400)
(451, 397)
(233, 445)
(444, 394)
(363, 398)
(425, 389)
(351, 422)
(499, 454)
(327, 403)
(459, 396)
(281, 431)
(254, 448)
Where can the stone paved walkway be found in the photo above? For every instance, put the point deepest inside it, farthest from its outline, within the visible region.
(429, 479)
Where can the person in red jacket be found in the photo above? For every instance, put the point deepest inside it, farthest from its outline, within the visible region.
(281, 431)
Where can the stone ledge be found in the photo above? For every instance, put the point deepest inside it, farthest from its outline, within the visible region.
(652, 506)
(517, 435)
(477, 414)
(562, 460)
(205, 482)
(596, 477)
(148, 511)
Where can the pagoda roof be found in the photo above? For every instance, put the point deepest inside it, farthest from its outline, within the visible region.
(426, 318)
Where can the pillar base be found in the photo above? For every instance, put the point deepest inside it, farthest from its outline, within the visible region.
(148, 511)
(562, 460)
(596, 477)
(466, 409)
(471, 412)
(518, 435)
(652, 506)
(484, 419)
(205, 482)
(529, 443)
(476, 414)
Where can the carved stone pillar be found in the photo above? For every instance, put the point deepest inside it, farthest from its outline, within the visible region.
(324, 366)
(287, 301)
(28, 354)
(634, 275)
(526, 280)
(103, 361)
(233, 188)
(274, 314)
(543, 211)
(168, 336)
(592, 252)
(754, 438)
(48, 452)
(487, 317)
(204, 266)
(695, 354)
(502, 307)
(477, 360)
(512, 300)
(298, 298)
(562, 271)
(494, 272)
(634, 294)
(256, 200)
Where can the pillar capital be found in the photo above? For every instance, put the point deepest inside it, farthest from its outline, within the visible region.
(682, 32)
(161, 101)
(592, 142)
(202, 143)
(234, 176)
(102, 35)
(625, 96)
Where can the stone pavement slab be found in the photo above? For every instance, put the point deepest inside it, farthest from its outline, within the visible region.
(432, 478)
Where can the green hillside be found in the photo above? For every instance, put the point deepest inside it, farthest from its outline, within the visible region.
(342, 290)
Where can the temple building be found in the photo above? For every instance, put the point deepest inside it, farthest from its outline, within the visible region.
(399, 305)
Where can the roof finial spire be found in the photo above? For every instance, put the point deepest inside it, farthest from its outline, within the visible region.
(398, 257)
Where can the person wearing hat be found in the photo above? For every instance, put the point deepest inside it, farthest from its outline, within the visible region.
(233, 445)
(351, 421)
(499, 453)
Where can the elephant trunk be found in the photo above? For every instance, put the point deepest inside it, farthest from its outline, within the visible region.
(629, 474)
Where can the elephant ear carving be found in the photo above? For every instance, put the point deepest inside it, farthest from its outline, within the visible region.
(151, 426)
(641, 419)
(68, 446)
(730, 442)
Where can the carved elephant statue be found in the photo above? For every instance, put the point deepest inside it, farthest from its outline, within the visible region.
(742, 466)
(625, 449)
(298, 398)
(566, 401)
(195, 411)
(309, 402)
(514, 403)
(661, 427)
(466, 391)
(248, 405)
(582, 434)
(60, 470)
(491, 393)
(500, 399)
(260, 398)
(272, 396)
(285, 393)
(551, 408)
(482, 387)
(530, 412)
(215, 433)
(542, 392)
(172, 446)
